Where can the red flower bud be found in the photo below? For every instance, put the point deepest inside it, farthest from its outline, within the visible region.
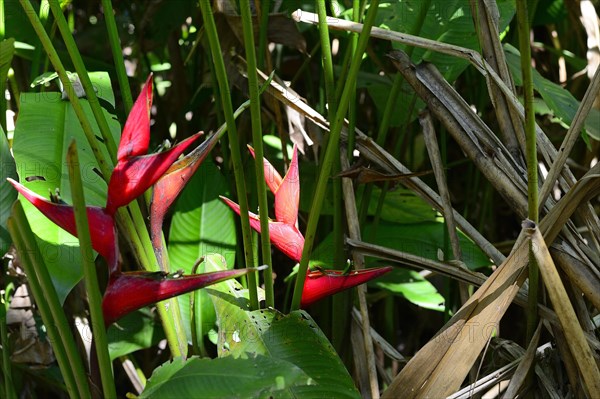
(102, 228)
(130, 291)
(322, 283)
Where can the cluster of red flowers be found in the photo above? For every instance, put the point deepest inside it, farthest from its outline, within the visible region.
(135, 173)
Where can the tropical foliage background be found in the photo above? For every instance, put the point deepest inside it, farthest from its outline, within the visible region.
(422, 128)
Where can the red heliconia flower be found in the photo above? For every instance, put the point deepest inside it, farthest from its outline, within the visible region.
(130, 291)
(135, 172)
(322, 283)
(284, 234)
(102, 229)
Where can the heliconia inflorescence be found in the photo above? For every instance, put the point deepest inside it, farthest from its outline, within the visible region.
(285, 236)
(135, 173)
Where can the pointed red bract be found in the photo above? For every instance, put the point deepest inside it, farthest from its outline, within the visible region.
(287, 196)
(135, 138)
(130, 291)
(102, 230)
(133, 176)
(272, 177)
(319, 284)
(284, 237)
(170, 185)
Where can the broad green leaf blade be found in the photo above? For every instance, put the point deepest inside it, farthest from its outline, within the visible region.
(133, 332)
(295, 338)
(45, 127)
(422, 239)
(258, 377)
(446, 21)
(201, 224)
(7, 193)
(402, 206)
(412, 286)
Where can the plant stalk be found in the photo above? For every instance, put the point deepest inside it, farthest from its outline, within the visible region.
(332, 149)
(255, 116)
(531, 157)
(89, 273)
(115, 46)
(234, 145)
(42, 288)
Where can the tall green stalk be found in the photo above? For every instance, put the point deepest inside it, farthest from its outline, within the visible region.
(261, 187)
(234, 145)
(332, 148)
(9, 388)
(81, 70)
(327, 59)
(115, 47)
(89, 273)
(531, 156)
(42, 288)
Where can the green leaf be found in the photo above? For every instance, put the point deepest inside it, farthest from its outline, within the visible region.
(45, 127)
(425, 240)
(412, 286)
(447, 21)
(133, 332)
(559, 100)
(201, 224)
(7, 193)
(258, 377)
(402, 206)
(295, 338)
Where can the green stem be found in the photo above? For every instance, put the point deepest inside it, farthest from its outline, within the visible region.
(531, 156)
(42, 288)
(105, 168)
(9, 389)
(90, 93)
(261, 186)
(234, 145)
(262, 34)
(327, 59)
(332, 148)
(115, 46)
(89, 273)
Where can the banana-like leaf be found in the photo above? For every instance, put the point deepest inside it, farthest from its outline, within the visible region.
(256, 377)
(201, 225)
(45, 127)
(7, 193)
(294, 338)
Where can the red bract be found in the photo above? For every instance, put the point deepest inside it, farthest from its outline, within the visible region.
(102, 229)
(170, 185)
(136, 172)
(322, 283)
(127, 292)
(284, 234)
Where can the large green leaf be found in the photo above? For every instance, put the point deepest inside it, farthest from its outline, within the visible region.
(7, 193)
(559, 100)
(201, 224)
(422, 239)
(133, 332)
(257, 377)
(44, 129)
(402, 206)
(426, 240)
(295, 338)
(446, 21)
